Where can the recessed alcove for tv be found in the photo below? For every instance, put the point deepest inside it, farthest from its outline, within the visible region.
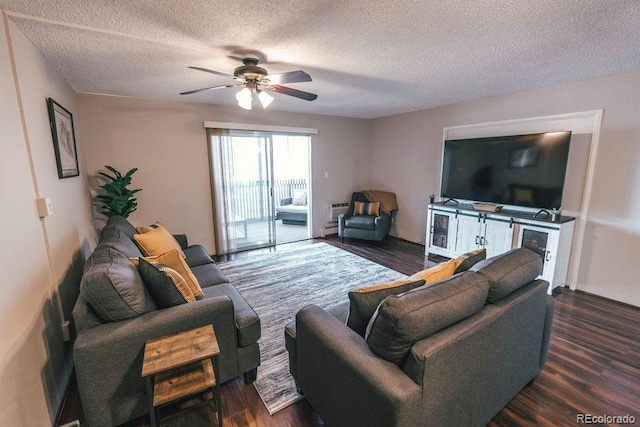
(525, 171)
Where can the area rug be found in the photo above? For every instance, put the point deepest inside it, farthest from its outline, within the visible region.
(278, 284)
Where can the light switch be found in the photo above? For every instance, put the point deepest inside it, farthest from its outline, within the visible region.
(43, 205)
(326, 174)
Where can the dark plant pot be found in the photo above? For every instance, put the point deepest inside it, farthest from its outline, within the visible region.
(556, 217)
(432, 199)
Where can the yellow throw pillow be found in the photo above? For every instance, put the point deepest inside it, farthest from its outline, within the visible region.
(436, 273)
(173, 260)
(364, 208)
(381, 286)
(156, 240)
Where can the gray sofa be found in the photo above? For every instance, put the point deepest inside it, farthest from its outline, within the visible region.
(115, 315)
(448, 354)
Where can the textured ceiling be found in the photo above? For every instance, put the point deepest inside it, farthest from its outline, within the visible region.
(367, 58)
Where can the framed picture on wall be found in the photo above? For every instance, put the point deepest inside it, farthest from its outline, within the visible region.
(64, 139)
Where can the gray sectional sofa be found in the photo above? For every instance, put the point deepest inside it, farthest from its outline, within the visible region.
(447, 354)
(115, 315)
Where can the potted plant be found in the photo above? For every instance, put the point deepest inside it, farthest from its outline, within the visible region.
(432, 197)
(556, 214)
(118, 198)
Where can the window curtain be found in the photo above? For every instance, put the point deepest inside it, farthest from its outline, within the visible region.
(222, 177)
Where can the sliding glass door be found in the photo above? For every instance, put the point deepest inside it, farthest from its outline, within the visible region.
(242, 169)
(260, 186)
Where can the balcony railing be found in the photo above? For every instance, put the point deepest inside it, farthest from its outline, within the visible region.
(251, 201)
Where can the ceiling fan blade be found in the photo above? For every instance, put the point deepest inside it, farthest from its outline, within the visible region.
(290, 77)
(206, 70)
(189, 92)
(292, 92)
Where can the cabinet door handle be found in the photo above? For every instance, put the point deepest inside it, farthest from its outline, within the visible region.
(548, 256)
(477, 240)
(482, 241)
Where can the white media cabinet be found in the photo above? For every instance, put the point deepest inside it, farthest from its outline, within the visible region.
(456, 229)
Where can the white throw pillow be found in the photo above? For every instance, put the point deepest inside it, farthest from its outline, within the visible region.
(299, 198)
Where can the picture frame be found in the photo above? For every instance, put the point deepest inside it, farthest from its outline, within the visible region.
(64, 139)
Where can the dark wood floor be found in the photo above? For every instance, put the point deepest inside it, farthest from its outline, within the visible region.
(593, 365)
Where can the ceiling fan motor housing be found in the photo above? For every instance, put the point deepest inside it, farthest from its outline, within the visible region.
(250, 70)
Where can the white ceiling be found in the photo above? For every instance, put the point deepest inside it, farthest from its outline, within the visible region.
(367, 58)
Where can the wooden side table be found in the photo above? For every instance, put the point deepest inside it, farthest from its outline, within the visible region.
(179, 366)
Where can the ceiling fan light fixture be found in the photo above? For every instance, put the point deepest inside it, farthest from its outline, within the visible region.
(244, 98)
(265, 98)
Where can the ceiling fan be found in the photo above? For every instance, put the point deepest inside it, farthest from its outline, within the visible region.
(257, 81)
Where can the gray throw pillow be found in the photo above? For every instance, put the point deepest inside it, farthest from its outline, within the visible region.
(404, 319)
(364, 301)
(470, 259)
(509, 271)
(166, 286)
(113, 287)
(121, 224)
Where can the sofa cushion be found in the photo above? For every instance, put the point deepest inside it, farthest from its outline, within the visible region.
(113, 287)
(176, 262)
(365, 300)
(166, 286)
(365, 208)
(156, 240)
(363, 222)
(247, 321)
(197, 255)
(436, 273)
(209, 275)
(509, 271)
(117, 239)
(403, 319)
(121, 224)
(468, 260)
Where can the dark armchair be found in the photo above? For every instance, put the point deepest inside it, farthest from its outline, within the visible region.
(366, 227)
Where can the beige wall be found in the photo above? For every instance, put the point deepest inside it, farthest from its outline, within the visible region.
(407, 149)
(41, 259)
(167, 142)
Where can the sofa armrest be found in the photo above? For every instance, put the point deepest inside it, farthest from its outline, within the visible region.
(383, 226)
(341, 219)
(108, 357)
(286, 201)
(344, 381)
(182, 240)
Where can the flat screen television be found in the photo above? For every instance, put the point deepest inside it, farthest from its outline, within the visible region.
(515, 170)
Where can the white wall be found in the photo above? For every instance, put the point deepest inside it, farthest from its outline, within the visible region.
(41, 259)
(167, 142)
(407, 150)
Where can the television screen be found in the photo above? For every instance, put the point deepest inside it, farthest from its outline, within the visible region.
(517, 170)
